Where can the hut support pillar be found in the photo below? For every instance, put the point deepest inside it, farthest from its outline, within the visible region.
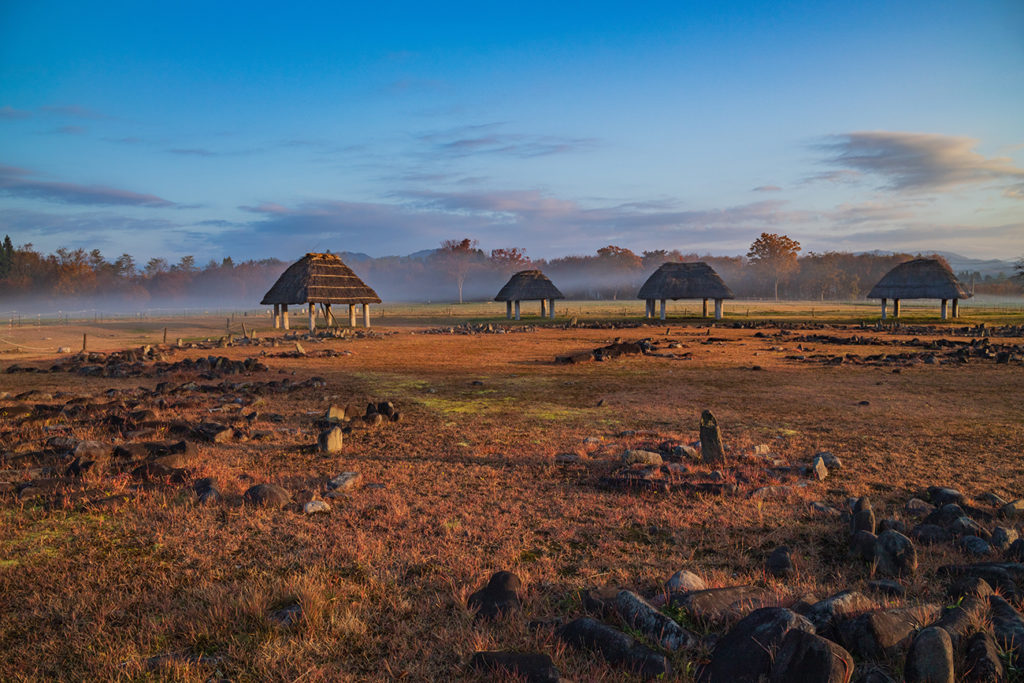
(351, 315)
(551, 311)
(366, 315)
(517, 310)
(647, 308)
(543, 312)
(944, 306)
(895, 308)
(329, 316)
(277, 316)
(312, 318)
(705, 309)
(956, 308)
(718, 308)
(284, 316)
(508, 310)
(662, 309)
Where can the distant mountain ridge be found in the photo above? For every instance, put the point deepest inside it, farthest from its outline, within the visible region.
(961, 263)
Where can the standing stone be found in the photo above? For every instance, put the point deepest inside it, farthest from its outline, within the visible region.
(930, 658)
(331, 440)
(804, 656)
(863, 518)
(780, 563)
(499, 596)
(711, 439)
(895, 554)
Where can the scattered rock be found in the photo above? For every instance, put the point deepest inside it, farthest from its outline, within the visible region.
(895, 554)
(718, 604)
(804, 656)
(863, 545)
(881, 634)
(316, 506)
(825, 614)
(930, 658)
(499, 596)
(887, 587)
(1003, 536)
(819, 470)
(940, 496)
(638, 457)
(344, 481)
(981, 660)
(684, 581)
(267, 495)
(616, 647)
(331, 440)
(528, 666)
(286, 617)
(918, 507)
(567, 459)
(1013, 510)
(780, 563)
(973, 545)
(1008, 629)
(745, 652)
(644, 617)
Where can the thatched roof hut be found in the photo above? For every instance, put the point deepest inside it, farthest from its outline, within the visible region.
(320, 279)
(528, 285)
(922, 278)
(684, 281)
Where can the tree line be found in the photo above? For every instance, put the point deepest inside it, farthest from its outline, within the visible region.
(458, 270)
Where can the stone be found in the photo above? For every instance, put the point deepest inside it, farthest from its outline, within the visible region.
(804, 656)
(863, 520)
(316, 506)
(930, 658)
(92, 450)
(895, 554)
(780, 563)
(873, 674)
(616, 647)
(206, 491)
(888, 587)
(1008, 629)
(981, 660)
(965, 526)
(267, 495)
(286, 617)
(767, 492)
(863, 545)
(824, 614)
(997, 575)
(1003, 536)
(940, 495)
(968, 586)
(918, 507)
(600, 601)
(638, 457)
(973, 545)
(1013, 510)
(499, 596)
(567, 459)
(1016, 551)
(685, 581)
(744, 654)
(820, 508)
(719, 604)
(331, 440)
(214, 432)
(344, 481)
(945, 515)
(819, 470)
(639, 614)
(931, 533)
(960, 619)
(881, 634)
(891, 524)
(831, 461)
(527, 666)
(711, 447)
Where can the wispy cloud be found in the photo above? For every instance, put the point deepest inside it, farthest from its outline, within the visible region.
(9, 113)
(767, 188)
(193, 152)
(19, 182)
(919, 162)
(488, 139)
(73, 110)
(69, 130)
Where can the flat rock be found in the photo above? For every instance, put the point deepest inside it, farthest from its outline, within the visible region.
(616, 647)
(719, 604)
(344, 481)
(918, 507)
(639, 457)
(639, 614)
(315, 506)
(824, 614)
(941, 495)
(528, 666)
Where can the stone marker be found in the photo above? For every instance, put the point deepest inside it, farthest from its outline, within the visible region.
(711, 439)
(331, 440)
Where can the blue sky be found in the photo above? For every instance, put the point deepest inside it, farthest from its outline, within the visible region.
(164, 129)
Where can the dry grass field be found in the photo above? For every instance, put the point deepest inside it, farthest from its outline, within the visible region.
(110, 575)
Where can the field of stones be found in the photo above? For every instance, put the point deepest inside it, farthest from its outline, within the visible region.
(746, 501)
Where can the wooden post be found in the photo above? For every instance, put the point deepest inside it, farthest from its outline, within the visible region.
(884, 302)
(956, 308)
(718, 309)
(351, 315)
(552, 307)
(508, 310)
(165, 335)
(277, 316)
(227, 324)
(704, 310)
(517, 309)
(895, 308)
(312, 318)
(366, 315)
(543, 312)
(284, 316)
(662, 309)
(245, 333)
(85, 342)
(329, 315)
(943, 309)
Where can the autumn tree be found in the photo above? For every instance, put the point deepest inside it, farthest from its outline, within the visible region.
(775, 257)
(1018, 270)
(459, 258)
(6, 257)
(510, 259)
(619, 262)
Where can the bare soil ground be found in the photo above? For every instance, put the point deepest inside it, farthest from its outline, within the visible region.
(106, 576)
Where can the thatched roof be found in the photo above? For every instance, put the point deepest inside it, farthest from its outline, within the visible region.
(685, 281)
(320, 279)
(922, 278)
(528, 285)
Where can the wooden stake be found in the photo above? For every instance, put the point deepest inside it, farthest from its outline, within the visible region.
(85, 342)
(165, 335)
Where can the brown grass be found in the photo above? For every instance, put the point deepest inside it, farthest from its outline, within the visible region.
(471, 487)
